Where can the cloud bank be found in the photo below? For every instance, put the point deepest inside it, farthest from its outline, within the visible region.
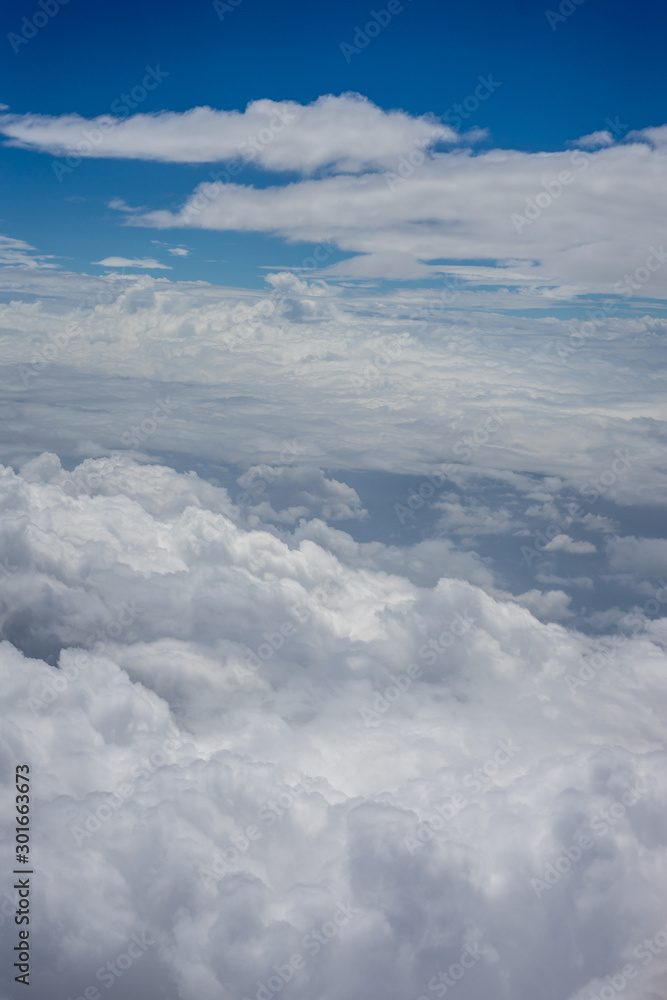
(400, 383)
(268, 762)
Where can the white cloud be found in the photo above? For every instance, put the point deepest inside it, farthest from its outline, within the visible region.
(596, 522)
(656, 135)
(296, 493)
(146, 262)
(551, 605)
(175, 251)
(563, 543)
(348, 133)
(457, 205)
(595, 139)
(119, 205)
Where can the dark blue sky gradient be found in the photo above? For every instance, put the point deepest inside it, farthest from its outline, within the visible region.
(604, 60)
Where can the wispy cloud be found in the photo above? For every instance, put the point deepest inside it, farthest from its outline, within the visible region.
(18, 253)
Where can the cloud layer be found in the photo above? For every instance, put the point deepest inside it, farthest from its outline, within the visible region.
(400, 383)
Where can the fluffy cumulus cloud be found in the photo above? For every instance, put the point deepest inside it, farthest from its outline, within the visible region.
(297, 492)
(553, 604)
(563, 543)
(260, 759)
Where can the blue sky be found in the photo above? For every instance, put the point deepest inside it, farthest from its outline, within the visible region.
(599, 62)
